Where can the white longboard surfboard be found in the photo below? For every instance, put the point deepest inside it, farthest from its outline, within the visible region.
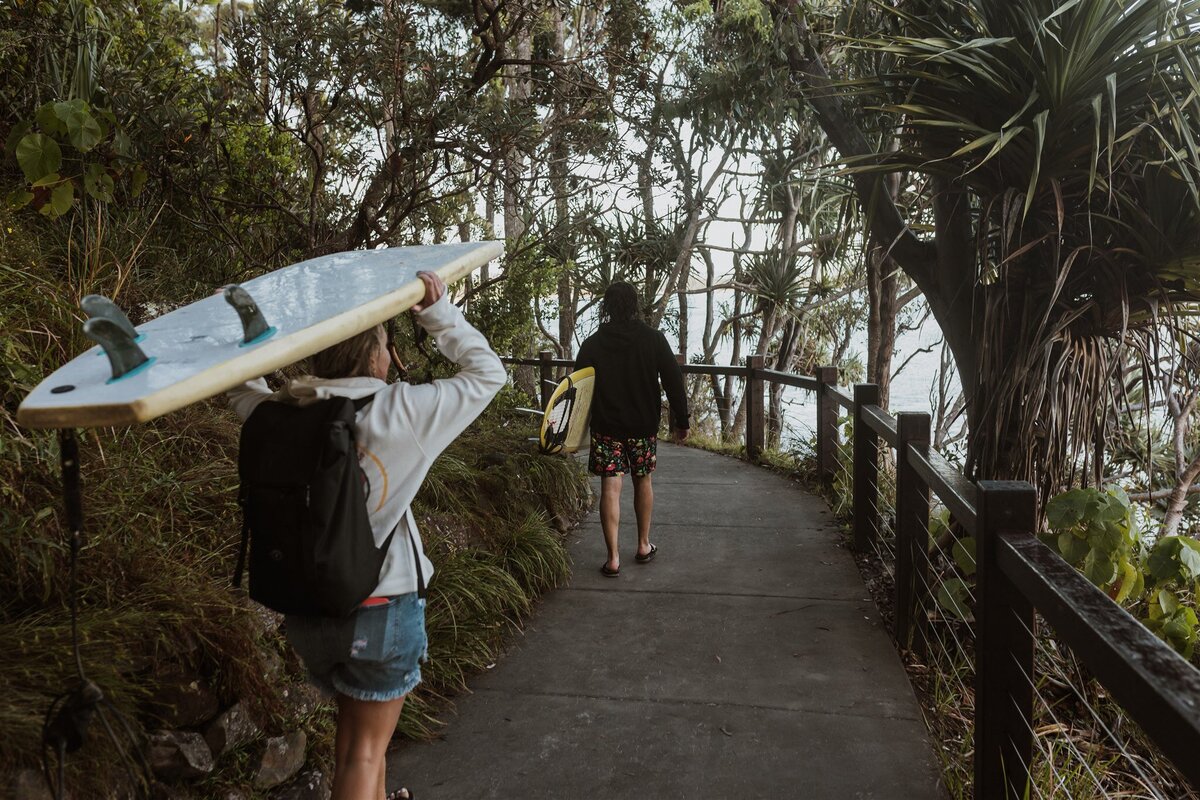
(198, 351)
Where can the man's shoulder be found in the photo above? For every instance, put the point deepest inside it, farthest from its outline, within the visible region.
(650, 333)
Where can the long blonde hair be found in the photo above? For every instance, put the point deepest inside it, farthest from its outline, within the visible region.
(350, 358)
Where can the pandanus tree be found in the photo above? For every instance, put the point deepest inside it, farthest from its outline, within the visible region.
(1058, 139)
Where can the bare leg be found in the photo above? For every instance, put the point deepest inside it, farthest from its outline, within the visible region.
(643, 507)
(610, 516)
(364, 730)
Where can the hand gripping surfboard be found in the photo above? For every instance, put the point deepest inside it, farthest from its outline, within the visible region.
(237, 334)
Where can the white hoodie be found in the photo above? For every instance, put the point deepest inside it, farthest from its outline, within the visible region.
(403, 430)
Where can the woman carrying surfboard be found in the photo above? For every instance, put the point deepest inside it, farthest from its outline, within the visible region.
(372, 659)
(630, 359)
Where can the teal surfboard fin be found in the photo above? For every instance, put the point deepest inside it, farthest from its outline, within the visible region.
(124, 356)
(254, 324)
(97, 305)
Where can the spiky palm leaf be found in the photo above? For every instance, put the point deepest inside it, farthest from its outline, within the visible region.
(1071, 125)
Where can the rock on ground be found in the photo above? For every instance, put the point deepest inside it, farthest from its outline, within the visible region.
(179, 755)
(283, 758)
(185, 700)
(232, 729)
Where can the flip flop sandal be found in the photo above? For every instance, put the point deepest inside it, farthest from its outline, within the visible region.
(609, 573)
(648, 557)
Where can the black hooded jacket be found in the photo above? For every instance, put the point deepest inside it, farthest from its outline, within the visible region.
(630, 358)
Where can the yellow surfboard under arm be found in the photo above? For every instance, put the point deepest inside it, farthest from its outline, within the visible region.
(565, 420)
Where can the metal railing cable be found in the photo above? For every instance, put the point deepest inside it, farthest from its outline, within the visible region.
(1051, 731)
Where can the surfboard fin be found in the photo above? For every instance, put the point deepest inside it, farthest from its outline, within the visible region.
(254, 324)
(124, 356)
(97, 305)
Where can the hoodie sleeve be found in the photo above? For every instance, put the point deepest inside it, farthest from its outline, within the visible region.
(438, 412)
(245, 398)
(672, 382)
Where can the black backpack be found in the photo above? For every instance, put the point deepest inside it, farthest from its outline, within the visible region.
(304, 509)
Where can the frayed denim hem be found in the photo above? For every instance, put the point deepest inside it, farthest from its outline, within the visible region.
(411, 681)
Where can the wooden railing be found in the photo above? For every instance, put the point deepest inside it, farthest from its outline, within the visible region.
(1018, 578)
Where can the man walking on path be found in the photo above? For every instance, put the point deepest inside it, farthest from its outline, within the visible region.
(630, 358)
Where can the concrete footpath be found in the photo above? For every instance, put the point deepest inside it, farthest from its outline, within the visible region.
(745, 661)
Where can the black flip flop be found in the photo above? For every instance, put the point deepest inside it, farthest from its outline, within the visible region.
(609, 573)
(646, 559)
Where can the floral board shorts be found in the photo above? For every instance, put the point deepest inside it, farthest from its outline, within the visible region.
(374, 654)
(612, 456)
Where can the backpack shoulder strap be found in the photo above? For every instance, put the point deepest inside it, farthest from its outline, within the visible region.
(361, 403)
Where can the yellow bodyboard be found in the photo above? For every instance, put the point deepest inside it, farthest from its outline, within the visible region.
(565, 420)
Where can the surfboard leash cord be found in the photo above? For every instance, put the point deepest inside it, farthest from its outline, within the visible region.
(556, 437)
(70, 713)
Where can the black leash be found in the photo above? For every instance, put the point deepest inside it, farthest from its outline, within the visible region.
(556, 436)
(70, 714)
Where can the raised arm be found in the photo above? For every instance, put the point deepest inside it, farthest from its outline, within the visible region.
(437, 412)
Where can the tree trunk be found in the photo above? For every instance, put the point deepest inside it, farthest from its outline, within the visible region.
(1178, 501)
(558, 186)
(518, 85)
(489, 219)
(783, 363)
(881, 321)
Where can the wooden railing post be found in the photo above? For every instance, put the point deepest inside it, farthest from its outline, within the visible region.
(755, 418)
(827, 414)
(912, 534)
(1003, 648)
(546, 376)
(866, 469)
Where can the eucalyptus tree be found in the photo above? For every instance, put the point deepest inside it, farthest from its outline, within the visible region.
(1056, 141)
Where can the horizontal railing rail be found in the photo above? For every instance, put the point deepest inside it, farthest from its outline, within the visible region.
(882, 423)
(955, 490)
(1017, 577)
(841, 398)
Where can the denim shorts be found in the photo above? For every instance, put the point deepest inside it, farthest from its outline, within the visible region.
(374, 654)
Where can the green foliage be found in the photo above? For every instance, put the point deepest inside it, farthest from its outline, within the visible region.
(954, 596)
(60, 153)
(1096, 532)
(506, 311)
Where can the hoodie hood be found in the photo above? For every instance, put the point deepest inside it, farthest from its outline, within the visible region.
(308, 389)
(617, 335)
